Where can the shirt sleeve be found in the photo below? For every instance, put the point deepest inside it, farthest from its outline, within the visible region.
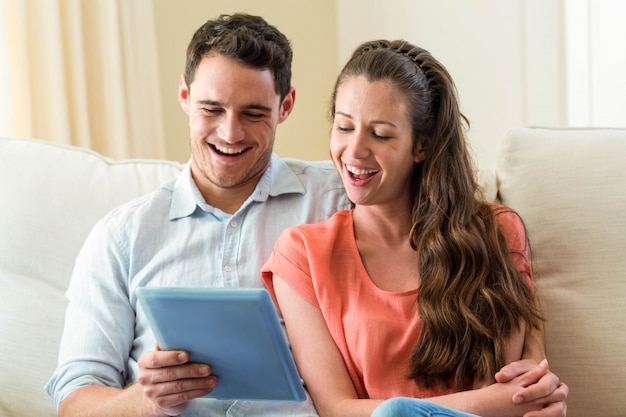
(95, 344)
(514, 232)
(290, 261)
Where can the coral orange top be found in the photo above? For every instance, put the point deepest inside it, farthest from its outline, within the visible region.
(375, 330)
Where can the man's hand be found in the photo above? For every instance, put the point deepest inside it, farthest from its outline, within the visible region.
(170, 382)
(540, 386)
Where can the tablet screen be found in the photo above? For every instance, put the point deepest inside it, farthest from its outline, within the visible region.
(235, 330)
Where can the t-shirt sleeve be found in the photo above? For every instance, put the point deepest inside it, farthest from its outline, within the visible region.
(290, 261)
(514, 232)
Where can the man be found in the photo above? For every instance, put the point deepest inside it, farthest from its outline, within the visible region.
(212, 227)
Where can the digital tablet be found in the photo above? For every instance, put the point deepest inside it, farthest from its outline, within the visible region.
(236, 330)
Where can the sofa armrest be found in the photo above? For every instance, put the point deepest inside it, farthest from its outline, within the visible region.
(51, 196)
(569, 186)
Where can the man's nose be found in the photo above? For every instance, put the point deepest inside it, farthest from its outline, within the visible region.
(230, 129)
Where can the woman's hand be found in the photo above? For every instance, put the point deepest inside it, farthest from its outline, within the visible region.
(539, 387)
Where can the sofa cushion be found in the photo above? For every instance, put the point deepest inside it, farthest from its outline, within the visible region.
(51, 197)
(569, 186)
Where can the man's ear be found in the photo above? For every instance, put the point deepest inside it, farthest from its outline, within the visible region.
(419, 150)
(286, 107)
(183, 94)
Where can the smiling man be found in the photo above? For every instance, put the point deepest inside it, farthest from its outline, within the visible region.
(214, 226)
(233, 112)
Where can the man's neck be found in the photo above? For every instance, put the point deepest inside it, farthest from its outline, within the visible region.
(228, 200)
(225, 194)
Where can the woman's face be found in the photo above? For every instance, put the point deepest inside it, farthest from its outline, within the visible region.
(372, 142)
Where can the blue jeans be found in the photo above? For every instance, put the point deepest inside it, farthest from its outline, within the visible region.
(413, 407)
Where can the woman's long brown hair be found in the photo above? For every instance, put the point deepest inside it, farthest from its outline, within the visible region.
(471, 296)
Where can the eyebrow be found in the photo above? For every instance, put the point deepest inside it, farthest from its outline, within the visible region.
(375, 122)
(246, 107)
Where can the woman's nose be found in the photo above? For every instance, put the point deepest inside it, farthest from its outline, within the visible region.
(358, 147)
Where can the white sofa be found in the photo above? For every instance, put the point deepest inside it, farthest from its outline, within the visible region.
(569, 185)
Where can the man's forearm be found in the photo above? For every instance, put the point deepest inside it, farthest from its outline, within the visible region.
(97, 401)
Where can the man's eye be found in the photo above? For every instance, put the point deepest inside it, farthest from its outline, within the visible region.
(211, 111)
(255, 116)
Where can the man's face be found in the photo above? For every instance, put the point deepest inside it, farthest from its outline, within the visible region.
(233, 112)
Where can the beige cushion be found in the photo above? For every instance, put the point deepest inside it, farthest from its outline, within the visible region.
(51, 197)
(488, 185)
(569, 186)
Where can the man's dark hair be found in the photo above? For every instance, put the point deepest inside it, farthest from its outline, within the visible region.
(248, 39)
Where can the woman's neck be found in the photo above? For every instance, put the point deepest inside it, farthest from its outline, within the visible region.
(378, 224)
(382, 239)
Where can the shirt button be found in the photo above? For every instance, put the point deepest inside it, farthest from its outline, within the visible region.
(233, 223)
(227, 268)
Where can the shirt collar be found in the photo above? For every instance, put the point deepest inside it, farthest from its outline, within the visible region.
(278, 179)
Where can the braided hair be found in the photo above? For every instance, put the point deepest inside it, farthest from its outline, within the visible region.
(471, 297)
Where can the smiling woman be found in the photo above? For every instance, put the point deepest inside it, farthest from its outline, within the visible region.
(71, 68)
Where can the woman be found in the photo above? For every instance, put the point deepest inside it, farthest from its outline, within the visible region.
(421, 290)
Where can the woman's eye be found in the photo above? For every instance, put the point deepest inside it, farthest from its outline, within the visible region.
(380, 137)
(343, 129)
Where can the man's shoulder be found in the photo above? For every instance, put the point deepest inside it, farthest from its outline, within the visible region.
(311, 188)
(153, 202)
(303, 167)
(314, 171)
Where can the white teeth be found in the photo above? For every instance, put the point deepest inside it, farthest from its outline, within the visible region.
(229, 151)
(357, 171)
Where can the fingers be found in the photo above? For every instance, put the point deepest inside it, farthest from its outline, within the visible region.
(540, 389)
(549, 389)
(559, 394)
(170, 382)
(161, 359)
(514, 369)
(555, 409)
(536, 374)
(173, 396)
(173, 372)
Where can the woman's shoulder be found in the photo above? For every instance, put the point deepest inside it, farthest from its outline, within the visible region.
(323, 231)
(512, 228)
(338, 220)
(314, 243)
(506, 216)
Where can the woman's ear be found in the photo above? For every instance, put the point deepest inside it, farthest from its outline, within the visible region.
(419, 150)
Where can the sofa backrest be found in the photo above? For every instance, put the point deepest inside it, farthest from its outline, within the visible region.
(569, 186)
(51, 197)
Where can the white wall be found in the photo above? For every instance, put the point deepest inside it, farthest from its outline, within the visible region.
(596, 62)
(507, 57)
(511, 60)
(310, 26)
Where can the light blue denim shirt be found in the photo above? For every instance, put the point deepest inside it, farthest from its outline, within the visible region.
(171, 237)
